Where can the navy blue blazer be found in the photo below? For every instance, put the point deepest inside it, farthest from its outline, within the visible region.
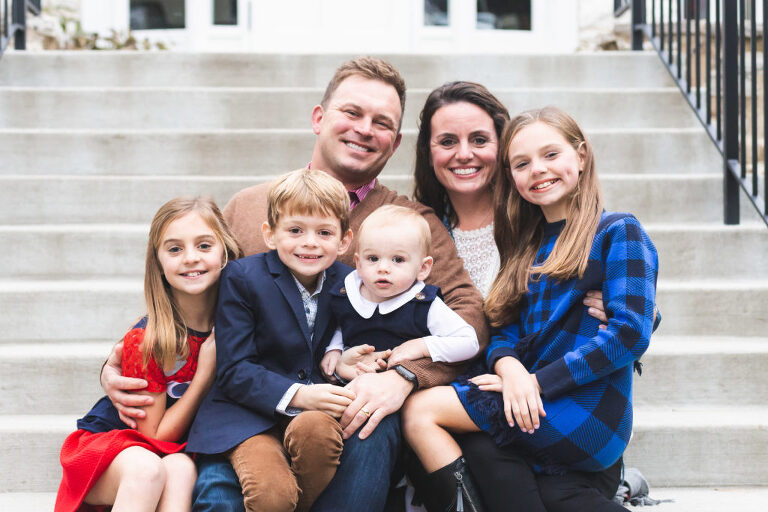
(263, 346)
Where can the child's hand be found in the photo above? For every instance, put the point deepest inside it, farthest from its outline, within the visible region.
(408, 351)
(327, 398)
(206, 361)
(328, 364)
(361, 359)
(521, 394)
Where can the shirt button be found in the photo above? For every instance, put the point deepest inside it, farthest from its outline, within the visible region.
(301, 375)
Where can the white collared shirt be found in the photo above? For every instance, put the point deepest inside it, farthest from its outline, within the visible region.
(451, 339)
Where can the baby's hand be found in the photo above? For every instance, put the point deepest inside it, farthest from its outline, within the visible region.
(408, 351)
(328, 364)
(361, 359)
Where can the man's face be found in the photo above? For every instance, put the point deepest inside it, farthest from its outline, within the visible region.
(358, 130)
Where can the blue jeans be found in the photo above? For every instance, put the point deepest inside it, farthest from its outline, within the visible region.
(361, 482)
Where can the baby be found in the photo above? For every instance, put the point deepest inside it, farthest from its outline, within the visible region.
(384, 305)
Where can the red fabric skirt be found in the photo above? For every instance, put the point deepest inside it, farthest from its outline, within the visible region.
(86, 455)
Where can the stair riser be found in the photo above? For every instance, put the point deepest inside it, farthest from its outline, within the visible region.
(87, 314)
(666, 456)
(118, 253)
(238, 109)
(712, 378)
(270, 152)
(59, 200)
(700, 456)
(623, 69)
(63, 385)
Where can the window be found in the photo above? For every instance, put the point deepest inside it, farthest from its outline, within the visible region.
(157, 14)
(436, 13)
(225, 12)
(504, 14)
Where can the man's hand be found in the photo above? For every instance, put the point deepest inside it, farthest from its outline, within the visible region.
(596, 308)
(361, 359)
(327, 398)
(377, 395)
(408, 351)
(116, 386)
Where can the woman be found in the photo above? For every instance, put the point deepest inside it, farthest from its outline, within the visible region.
(456, 154)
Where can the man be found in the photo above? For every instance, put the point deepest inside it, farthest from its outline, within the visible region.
(357, 125)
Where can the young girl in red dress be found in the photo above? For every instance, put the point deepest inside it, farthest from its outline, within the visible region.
(105, 461)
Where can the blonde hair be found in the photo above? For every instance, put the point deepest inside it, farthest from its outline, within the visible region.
(518, 224)
(372, 69)
(308, 192)
(165, 337)
(391, 214)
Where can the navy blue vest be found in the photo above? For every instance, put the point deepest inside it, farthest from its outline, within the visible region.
(407, 322)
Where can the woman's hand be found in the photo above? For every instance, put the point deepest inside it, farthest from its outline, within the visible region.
(487, 382)
(327, 398)
(408, 351)
(595, 306)
(361, 359)
(521, 394)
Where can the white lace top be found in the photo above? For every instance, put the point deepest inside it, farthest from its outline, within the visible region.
(481, 257)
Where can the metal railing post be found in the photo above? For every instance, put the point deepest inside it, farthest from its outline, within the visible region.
(19, 19)
(730, 112)
(638, 19)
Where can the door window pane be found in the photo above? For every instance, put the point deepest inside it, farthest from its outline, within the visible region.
(225, 12)
(504, 14)
(157, 14)
(436, 13)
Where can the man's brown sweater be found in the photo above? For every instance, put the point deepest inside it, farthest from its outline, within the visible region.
(247, 211)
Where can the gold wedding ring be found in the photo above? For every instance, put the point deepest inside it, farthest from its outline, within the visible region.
(365, 411)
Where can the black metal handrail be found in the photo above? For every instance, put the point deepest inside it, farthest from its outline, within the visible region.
(688, 35)
(16, 30)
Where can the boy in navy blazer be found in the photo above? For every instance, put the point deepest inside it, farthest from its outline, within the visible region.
(270, 411)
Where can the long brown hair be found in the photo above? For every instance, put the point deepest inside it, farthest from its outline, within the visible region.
(165, 337)
(518, 224)
(427, 189)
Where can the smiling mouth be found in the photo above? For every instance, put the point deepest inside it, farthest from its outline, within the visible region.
(195, 273)
(308, 257)
(358, 147)
(465, 171)
(545, 184)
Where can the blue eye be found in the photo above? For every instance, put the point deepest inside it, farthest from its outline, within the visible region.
(174, 249)
(398, 259)
(205, 246)
(295, 231)
(373, 259)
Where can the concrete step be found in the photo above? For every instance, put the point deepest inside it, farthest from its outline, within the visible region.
(713, 307)
(73, 69)
(200, 108)
(672, 446)
(683, 248)
(99, 309)
(703, 370)
(73, 199)
(702, 445)
(681, 499)
(73, 367)
(268, 151)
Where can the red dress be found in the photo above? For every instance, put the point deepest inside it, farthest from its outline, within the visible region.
(101, 435)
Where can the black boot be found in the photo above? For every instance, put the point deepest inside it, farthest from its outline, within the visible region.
(449, 489)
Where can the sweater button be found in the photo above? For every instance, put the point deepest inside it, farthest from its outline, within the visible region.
(301, 375)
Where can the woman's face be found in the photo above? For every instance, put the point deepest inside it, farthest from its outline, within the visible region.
(463, 148)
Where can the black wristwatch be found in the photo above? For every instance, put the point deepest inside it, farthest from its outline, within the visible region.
(407, 375)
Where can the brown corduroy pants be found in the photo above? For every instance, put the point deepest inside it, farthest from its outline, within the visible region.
(288, 466)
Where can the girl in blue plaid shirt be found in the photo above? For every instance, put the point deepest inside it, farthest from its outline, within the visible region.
(558, 395)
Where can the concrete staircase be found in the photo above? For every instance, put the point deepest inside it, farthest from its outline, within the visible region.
(91, 144)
